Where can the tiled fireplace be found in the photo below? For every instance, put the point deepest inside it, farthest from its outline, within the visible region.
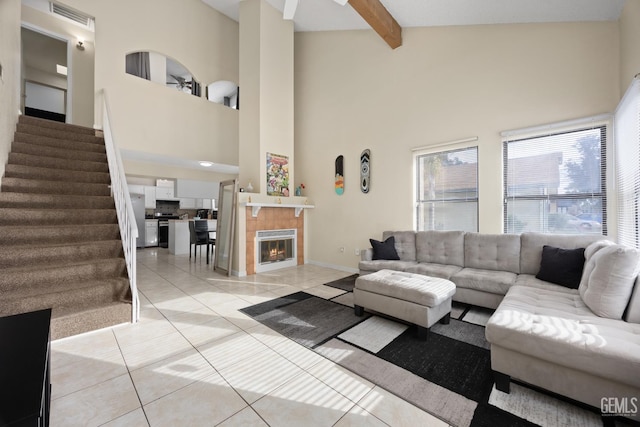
(275, 231)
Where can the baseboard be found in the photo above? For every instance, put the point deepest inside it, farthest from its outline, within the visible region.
(333, 266)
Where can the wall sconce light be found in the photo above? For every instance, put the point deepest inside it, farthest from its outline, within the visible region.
(80, 45)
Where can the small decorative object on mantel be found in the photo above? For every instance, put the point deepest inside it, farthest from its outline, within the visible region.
(365, 171)
(299, 189)
(249, 188)
(278, 201)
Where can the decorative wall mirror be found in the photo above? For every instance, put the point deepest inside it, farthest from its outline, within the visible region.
(162, 69)
(226, 226)
(224, 92)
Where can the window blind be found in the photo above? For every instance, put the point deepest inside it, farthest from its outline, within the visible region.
(556, 182)
(627, 162)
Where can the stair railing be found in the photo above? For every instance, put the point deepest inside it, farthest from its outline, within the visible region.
(126, 217)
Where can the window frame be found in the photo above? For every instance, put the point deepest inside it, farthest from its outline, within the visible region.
(439, 150)
(581, 125)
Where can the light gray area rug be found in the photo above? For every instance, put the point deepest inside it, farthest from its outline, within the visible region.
(445, 404)
(541, 409)
(374, 333)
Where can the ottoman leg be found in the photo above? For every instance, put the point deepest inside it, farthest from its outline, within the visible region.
(423, 333)
(358, 309)
(446, 319)
(502, 381)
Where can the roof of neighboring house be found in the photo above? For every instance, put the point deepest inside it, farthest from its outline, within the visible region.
(540, 171)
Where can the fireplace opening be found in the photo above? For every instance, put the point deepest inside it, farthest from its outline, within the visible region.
(275, 249)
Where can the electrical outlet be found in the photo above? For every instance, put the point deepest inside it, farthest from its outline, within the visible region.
(356, 252)
(341, 249)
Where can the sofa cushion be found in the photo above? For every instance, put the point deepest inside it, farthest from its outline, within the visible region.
(561, 266)
(495, 282)
(416, 288)
(608, 279)
(531, 247)
(435, 270)
(440, 247)
(558, 327)
(531, 281)
(500, 252)
(405, 243)
(384, 250)
(382, 264)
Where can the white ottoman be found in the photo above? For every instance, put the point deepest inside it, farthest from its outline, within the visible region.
(415, 298)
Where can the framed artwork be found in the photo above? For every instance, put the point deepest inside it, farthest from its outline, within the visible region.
(277, 175)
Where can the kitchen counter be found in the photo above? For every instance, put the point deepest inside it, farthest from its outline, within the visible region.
(179, 237)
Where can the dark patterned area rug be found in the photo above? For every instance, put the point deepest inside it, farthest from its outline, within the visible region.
(448, 376)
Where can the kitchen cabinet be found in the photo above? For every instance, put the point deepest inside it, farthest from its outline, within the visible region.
(149, 197)
(197, 189)
(188, 203)
(165, 193)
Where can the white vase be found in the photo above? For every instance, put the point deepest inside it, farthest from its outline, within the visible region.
(249, 188)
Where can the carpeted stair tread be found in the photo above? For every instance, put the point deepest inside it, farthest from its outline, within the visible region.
(45, 141)
(43, 216)
(55, 201)
(48, 174)
(50, 124)
(55, 254)
(67, 294)
(60, 244)
(19, 279)
(21, 185)
(72, 321)
(57, 152)
(17, 235)
(59, 134)
(57, 163)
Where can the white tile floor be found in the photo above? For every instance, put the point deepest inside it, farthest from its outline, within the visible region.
(195, 360)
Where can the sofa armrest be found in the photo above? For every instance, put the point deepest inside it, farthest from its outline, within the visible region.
(366, 254)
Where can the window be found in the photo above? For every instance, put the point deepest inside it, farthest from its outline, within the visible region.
(447, 190)
(627, 143)
(555, 183)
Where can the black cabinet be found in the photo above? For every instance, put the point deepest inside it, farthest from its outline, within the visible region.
(25, 391)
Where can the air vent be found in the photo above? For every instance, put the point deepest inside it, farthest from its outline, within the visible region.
(72, 14)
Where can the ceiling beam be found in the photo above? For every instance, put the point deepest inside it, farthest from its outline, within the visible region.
(380, 20)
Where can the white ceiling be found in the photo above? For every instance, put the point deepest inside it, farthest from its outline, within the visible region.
(325, 15)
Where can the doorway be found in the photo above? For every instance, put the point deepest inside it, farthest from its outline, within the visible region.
(45, 83)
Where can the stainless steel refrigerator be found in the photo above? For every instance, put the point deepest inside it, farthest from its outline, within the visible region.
(137, 201)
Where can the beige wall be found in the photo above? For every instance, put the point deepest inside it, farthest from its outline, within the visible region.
(266, 79)
(10, 81)
(445, 83)
(149, 117)
(81, 65)
(629, 43)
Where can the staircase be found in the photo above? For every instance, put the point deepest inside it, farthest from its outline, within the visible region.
(60, 242)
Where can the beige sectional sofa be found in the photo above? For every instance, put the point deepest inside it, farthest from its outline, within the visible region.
(582, 343)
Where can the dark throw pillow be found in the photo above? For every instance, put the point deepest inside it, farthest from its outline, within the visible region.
(561, 266)
(384, 250)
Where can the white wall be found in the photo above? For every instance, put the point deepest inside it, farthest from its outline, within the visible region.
(10, 81)
(148, 117)
(445, 83)
(629, 40)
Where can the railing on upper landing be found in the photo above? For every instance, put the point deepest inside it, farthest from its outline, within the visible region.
(126, 218)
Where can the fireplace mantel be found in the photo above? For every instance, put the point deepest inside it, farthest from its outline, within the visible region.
(255, 207)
